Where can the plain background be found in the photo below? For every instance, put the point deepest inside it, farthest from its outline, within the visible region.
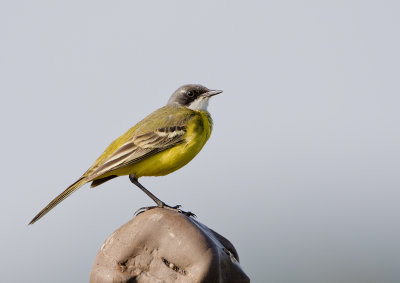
(301, 172)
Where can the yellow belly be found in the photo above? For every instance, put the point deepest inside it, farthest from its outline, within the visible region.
(170, 160)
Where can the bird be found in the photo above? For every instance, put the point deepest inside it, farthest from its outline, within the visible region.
(161, 143)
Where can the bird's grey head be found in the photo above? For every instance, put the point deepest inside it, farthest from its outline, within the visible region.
(192, 96)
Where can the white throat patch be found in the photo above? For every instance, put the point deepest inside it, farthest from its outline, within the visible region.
(199, 104)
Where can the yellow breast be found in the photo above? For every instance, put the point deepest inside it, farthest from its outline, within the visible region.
(198, 131)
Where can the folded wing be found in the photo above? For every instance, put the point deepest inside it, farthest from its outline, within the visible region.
(140, 147)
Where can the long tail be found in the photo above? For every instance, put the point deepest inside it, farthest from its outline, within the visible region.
(80, 182)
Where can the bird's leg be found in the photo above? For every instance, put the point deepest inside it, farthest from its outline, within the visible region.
(159, 203)
(135, 181)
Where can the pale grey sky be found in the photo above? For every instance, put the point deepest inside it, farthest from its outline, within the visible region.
(301, 172)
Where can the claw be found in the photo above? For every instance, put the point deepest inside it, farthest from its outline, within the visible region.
(189, 214)
(174, 208)
(142, 209)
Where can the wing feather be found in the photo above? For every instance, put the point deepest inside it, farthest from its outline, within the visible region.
(140, 147)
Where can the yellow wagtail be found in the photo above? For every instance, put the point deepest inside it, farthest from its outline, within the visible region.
(161, 143)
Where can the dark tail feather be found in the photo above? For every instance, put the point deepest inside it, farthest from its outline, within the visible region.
(97, 182)
(59, 199)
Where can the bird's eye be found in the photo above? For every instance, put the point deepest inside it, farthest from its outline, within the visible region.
(190, 93)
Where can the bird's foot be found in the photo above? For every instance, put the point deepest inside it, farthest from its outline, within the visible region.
(163, 205)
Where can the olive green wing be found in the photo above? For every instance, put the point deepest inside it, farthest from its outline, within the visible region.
(159, 131)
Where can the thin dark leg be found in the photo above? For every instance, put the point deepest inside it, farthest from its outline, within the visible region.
(159, 203)
(147, 192)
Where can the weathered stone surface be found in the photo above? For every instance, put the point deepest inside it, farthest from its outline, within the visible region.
(161, 245)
